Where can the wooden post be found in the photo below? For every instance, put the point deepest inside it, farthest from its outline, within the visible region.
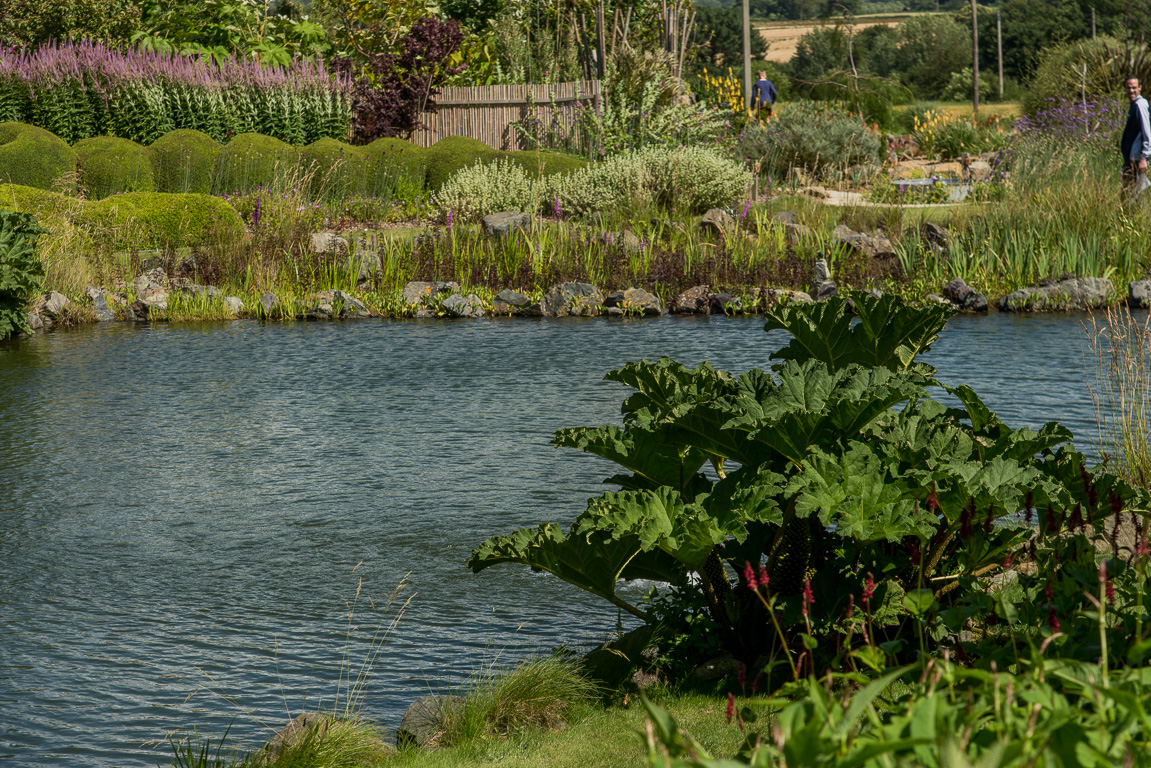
(600, 49)
(999, 47)
(746, 55)
(1092, 22)
(974, 60)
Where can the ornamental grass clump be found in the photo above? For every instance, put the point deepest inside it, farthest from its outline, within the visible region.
(538, 694)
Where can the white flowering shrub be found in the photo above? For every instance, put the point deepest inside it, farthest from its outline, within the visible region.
(689, 179)
(480, 189)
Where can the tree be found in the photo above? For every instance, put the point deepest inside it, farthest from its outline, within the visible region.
(720, 31)
(31, 22)
(1029, 28)
(930, 48)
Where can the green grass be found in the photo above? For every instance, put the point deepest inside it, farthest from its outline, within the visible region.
(600, 738)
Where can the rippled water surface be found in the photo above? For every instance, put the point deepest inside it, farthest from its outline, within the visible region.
(186, 511)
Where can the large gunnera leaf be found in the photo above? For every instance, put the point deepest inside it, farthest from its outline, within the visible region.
(889, 333)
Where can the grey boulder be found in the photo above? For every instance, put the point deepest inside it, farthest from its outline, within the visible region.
(418, 291)
(463, 306)
(634, 301)
(1057, 295)
(505, 223)
(963, 297)
(693, 301)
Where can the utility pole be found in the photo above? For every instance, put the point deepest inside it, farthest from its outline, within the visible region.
(974, 60)
(999, 46)
(1092, 22)
(600, 50)
(746, 54)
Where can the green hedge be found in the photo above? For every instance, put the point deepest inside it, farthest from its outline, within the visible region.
(109, 166)
(33, 157)
(395, 166)
(451, 154)
(334, 169)
(162, 220)
(132, 220)
(252, 160)
(545, 163)
(184, 160)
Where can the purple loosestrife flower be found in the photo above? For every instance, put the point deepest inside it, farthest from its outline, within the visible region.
(450, 213)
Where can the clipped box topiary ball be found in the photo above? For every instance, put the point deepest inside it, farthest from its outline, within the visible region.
(394, 165)
(33, 157)
(252, 160)
(453, 153)
(109, 166)
(184, 160)
(335, 169)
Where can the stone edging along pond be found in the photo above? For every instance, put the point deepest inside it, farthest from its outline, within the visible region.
(154, 294)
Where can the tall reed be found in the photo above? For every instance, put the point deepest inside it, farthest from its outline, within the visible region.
(1120, 343)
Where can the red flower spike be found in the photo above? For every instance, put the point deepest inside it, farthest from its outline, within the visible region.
(730, 706)
(755, 682)
(808, 595)
(763, 579)
(749, 576)
(868, 590)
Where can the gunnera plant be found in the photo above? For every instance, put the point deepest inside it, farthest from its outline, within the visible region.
(21, 270)
(481, 189)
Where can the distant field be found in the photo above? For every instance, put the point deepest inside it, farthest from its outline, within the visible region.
(783, 36)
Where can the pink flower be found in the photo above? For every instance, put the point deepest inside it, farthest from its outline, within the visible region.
(730, 706)
(808, 595)
(868, 590)
(749, 576)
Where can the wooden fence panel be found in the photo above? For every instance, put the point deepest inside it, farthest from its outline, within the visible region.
(487, 112)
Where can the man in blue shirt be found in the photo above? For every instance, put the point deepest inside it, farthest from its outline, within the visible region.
(1136, 142)
(763, 95)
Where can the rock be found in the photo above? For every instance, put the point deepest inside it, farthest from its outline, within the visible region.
(622, 659)
(693, 301)
(936, 298)
(1139, 294)
(566, 299)
(268, 302)
(634, 301)
(209, 291)
(35, 322)
(337, 304)
(418, 292)
(96, 296)
(822, 272)
(104, 315)
(726, 304)
(948, 170)
(329, 244)
(463, 306)
(824, 290)
(717, 222)
(137, 312)
(773, 296)
(625, 239)
(506, 222)
(790, 223)
(422, 724)
(874, 245)
(936, 236)
(509, 302)
(963, 297)
(717, 668)
(234, 305)
(1063, 294)
(980, 170)
(54, 304)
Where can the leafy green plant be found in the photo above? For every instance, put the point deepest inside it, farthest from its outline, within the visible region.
(21, 270)
(850, 479)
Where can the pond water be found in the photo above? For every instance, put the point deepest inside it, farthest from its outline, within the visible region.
(186, 511)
